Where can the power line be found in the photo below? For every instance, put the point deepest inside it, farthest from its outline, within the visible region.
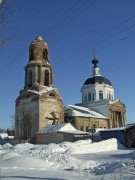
(106, 34)
(74, 61)
(69, 18)
(11, 89)
(11, 61)
(60, 19)
(98, 42)
(130, 26)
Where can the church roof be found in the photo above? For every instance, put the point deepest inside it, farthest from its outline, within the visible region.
(65, 128)
(84, 112)
(97, 79)
(117, 102)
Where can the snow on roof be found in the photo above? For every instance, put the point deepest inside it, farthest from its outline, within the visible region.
(3, 135)
(75, 132)
(50, 128)
(112, 102)
(119, 128)
(11, 137)
(67, 128)
(39, 38)
(130, 125)
(84, 112)
(46, 89)
(113, 129)
(117, 100)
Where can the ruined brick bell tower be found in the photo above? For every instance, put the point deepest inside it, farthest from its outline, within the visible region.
(39, 103)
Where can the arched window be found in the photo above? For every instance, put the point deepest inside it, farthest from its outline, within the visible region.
(112, 97)
(31, 54)
(93, 97)
(51, 81)
(38, 73)
(45, 54)
(109, 96)
(85, 97)
(89, 96)
(30, 79)
(100, 95)
(52, 94)
(46, 78)
(26, 127)
(26, 78)
(94, 126)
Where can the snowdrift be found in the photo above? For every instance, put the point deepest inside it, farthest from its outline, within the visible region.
(88, 147)
(60, 156)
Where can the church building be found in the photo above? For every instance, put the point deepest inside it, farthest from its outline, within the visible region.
(98, 109)
(39, 103)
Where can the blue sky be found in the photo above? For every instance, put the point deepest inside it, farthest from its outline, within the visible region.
(71, 28)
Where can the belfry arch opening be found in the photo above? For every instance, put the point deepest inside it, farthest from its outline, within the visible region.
(31, 54)
(46, 78)
(52, 94)
(30, 79)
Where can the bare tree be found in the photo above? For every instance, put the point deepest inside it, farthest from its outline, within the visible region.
(7, 11)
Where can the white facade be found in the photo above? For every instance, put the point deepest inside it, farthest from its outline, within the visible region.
(96, 92)
(97, 89)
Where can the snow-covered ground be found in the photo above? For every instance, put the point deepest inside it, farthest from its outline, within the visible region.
(67, 161)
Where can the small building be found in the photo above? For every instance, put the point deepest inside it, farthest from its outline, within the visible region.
(83, 118)
(3, 136)
(58, 133)
(129, 135)
(11, 132)
(125, 135)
